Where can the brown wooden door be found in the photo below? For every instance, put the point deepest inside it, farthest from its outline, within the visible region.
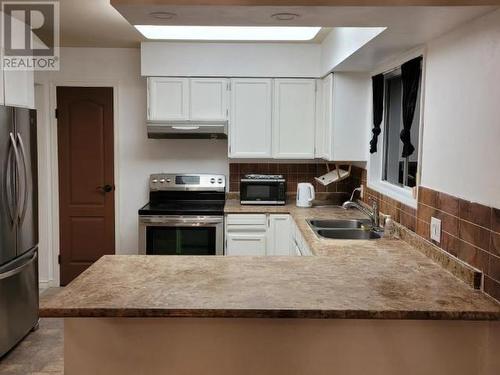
(86, 182)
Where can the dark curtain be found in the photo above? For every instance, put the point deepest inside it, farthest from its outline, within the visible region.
(410, 78)
(378, 109)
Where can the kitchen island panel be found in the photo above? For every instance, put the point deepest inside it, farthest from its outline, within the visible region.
(273, 347)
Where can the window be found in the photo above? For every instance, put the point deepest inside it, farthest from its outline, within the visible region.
(398, 170)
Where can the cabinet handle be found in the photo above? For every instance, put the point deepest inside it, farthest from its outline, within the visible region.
(246, 239)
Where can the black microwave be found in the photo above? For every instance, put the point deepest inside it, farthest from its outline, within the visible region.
(263, 189)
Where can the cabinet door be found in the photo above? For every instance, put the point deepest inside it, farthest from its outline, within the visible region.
(279, 235)
(19, 88)
(208, 99)
(252, 244)
(250, 124)
(350, 114)
(296, 250)
(19, 85)
(319, 131)
(325, 119)
(168, 98)
(294, 118)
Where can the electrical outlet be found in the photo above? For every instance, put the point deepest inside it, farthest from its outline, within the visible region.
(435, 229)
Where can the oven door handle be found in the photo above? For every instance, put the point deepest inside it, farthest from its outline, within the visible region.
(198, 221)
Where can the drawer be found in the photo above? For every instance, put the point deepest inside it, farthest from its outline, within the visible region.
(245, 228)
(246, 219)
(245, 244)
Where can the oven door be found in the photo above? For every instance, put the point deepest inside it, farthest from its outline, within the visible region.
(181, 235)
(262, 192)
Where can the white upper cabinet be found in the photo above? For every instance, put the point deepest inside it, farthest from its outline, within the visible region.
(321, 131)
(19, 88)
(343, 126)
(168, 99)
(294, 118)
(250, 120)
(208, 99)
(187, 99)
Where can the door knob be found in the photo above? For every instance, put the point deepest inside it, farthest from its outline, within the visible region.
(105, 188)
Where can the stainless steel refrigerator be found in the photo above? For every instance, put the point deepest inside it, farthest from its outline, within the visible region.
(18, 226)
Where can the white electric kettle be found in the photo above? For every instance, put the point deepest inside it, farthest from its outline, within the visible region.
(305, 194)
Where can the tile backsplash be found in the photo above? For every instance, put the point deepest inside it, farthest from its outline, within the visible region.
(294, 173)
(470, 231)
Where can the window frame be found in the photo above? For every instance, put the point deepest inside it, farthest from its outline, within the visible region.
(375, 165)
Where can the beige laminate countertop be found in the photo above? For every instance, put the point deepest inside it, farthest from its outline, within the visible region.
(381, 279)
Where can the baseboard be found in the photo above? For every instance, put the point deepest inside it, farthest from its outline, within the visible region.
(45, 284)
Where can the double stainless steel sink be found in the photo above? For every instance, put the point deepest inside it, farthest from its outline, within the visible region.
(342, 229)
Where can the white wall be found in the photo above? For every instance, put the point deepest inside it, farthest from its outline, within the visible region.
(231, 59)
(254, 59)
(136, 155)
(461, 151)
(342, 42)
(45, 261)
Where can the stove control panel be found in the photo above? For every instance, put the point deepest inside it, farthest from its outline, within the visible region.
(186, 182)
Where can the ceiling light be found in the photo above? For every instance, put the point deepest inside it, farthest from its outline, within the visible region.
(163, 15)
(253, 33)
(284, 16)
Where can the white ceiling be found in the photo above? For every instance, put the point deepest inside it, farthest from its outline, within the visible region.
(96, 23)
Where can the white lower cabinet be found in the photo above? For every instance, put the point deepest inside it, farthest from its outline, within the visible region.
(246, 234)
(278, 235)
(263, 234)
(297, 242)
(251, 244)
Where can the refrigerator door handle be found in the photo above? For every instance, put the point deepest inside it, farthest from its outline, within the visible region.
(17, 197)
(8, 186)
(22, 212)
(19, 269)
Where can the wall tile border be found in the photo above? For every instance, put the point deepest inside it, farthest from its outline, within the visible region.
(470, 231)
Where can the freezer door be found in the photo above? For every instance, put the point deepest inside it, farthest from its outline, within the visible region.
(27, 239)
(18, 299)
(7, 186)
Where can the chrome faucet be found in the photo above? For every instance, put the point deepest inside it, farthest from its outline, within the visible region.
(354, 192)
(373, 214)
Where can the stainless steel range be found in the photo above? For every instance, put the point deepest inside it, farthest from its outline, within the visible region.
(184, 216)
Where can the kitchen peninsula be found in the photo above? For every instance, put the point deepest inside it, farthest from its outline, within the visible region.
(297, 315)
